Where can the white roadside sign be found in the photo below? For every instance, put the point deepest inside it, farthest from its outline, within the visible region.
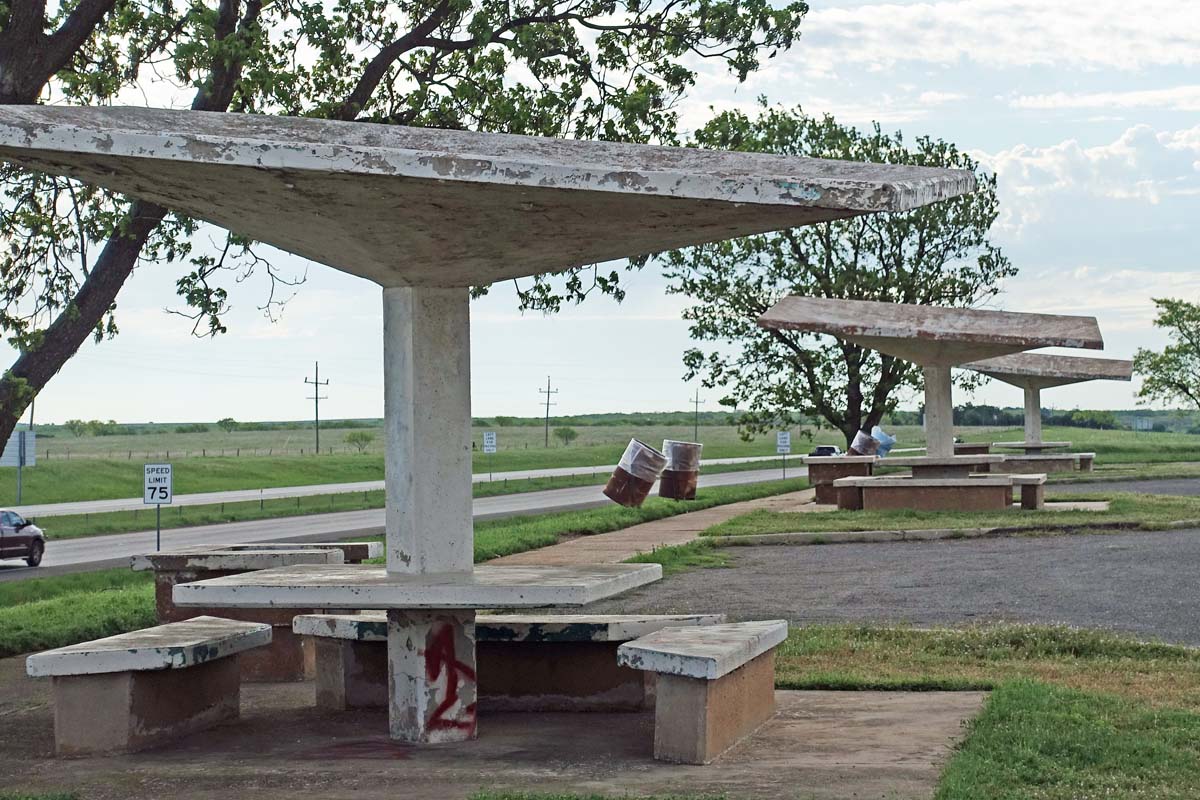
(489, 441)
(159, 489)
(783, 442)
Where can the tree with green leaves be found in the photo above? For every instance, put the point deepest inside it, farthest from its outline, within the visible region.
(936, 255)
(566, 435)
(1172, 375)
(591, 69)
(360, 440)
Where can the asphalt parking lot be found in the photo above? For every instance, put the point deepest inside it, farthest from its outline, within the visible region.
(1186, 487)
(1140, 583)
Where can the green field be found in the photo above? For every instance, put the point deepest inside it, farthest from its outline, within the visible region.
(59, 480)
(719, 441)
(94, 478)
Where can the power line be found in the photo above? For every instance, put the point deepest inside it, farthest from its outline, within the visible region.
(547, 392)
(696, 420)
(317, 383)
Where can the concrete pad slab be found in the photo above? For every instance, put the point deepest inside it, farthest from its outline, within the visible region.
(822, 745)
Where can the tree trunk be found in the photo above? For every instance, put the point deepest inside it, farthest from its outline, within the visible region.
(35, 366)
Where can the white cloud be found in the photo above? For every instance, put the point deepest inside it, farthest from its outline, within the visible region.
(939, 98)
(1078, 33)
(1140, 165)
(1179, 98)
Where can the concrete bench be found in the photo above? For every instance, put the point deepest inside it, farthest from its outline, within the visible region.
(716, 685)
(1086, 461)
(559, 662)
(1032, 489)
(141, 689)
(286, 658)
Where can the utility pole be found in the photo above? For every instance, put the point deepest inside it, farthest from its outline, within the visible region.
(696, 420)
(317, 383)
(547, 392)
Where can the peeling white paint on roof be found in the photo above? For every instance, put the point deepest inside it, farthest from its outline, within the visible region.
(932, 335)
(427, 207)
(1043, 370)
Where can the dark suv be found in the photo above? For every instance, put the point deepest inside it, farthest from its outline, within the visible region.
(20, 538)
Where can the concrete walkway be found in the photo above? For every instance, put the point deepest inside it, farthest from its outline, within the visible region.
(615, 547)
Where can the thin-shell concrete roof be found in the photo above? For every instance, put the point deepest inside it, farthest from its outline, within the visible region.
(1044, 370)
(426, 207)
(932, 335)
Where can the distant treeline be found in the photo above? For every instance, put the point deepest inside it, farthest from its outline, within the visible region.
(967, 415)
(613, 419)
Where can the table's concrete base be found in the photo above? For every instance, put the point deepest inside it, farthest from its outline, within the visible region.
(130, 711)
(822, 472)
(697, 720)
(512, 676)
(431, 671)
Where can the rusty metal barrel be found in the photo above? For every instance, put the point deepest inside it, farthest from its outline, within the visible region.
(679, 479)
(635, 474)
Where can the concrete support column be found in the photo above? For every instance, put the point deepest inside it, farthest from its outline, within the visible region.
(427, 420)
(1033, 415)
(939, 412)
(431, 667)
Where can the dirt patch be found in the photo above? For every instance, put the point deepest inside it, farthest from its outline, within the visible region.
(827, 744)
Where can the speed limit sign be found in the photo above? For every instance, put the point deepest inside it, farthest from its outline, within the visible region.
(158, 487)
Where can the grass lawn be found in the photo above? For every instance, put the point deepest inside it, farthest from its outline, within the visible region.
(1046, 742)
(43, 613)
(1110, 447)
(1073, 713)
(1147, 512)
(700, 554)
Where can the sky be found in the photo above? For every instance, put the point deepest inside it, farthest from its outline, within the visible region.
(1087, 110)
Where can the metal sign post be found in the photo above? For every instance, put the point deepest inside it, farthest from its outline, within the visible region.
(489, 447)
(158, 491)
(20, 451)
(783, 446)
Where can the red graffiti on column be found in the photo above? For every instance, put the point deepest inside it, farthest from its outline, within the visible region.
(440, 657)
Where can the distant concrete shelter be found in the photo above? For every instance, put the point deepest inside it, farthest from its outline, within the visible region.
(937, 339)
(1036, 371)
(427, 214)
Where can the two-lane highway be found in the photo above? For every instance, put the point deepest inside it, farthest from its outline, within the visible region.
(98, 552)
(277, 492)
